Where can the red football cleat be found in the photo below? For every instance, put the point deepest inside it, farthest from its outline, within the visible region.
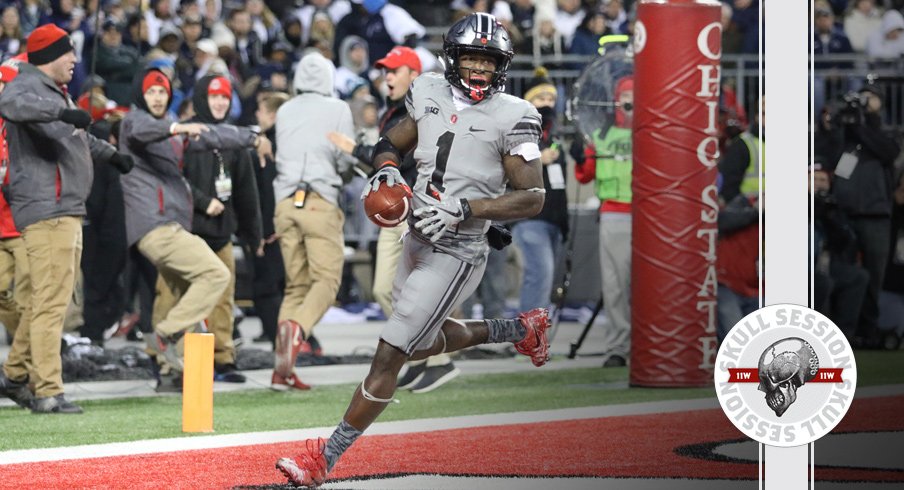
(289, 342)
(309, 468)
(279, 382)
(535, 344)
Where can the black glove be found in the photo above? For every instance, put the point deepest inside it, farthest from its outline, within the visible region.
(122, 162)
(499, 237)
(76, 117)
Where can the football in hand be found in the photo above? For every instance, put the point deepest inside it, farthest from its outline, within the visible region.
(388, 206)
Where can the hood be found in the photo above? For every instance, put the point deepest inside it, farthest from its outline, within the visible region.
(199, 102)
(892, 20)
(138, 95)
(314, 74)
(345, 59)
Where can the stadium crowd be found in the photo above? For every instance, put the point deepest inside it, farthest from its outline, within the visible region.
(198, 110)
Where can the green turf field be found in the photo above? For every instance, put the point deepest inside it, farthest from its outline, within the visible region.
(130, 419)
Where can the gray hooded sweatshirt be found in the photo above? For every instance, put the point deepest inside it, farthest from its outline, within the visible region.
(304, 154)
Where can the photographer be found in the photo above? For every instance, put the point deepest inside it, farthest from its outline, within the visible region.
(840, 283)
(862, 159)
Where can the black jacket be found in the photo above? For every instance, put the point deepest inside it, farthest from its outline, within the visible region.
(242, 214)
(868, 191)
(555, 204)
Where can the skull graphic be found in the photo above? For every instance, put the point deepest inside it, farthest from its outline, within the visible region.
(784, 367)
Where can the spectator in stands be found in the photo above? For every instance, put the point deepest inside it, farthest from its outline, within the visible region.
(248, 45)
(731, 35)
(294, 33)
(827, 38)
(225, 201)
(269, 272)
(587, 36)
(336, 10)
(609, 162)
(383, 24)
(746, 16)
(211, 12)
(116, 63)
(308, 219)
(548, 42)
(887, 42)
(353, 65)
(47, 145)
(30, 13)
(136, 34)
(11, 36)
(839, 282)
(263, 21)
(862, 19)
(323, 29)
(192, 32)
(863, 187)
(737, 259)
(158, 209)
(567, 19)
(523, 12)
(169, 43)
(158, 15)
(616, 17)
(274, 73)
(540, 238)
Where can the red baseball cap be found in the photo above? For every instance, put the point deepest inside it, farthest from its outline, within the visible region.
(400, 56)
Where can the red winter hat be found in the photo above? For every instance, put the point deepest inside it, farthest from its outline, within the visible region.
(221, 86)
(47, 43)
(155, 77)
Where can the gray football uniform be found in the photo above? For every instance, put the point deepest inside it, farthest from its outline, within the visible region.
(459, 153)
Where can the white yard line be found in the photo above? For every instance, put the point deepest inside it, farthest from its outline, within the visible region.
(399, 427)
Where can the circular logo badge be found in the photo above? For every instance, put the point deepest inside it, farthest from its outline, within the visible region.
(785, 375)
(640, 36)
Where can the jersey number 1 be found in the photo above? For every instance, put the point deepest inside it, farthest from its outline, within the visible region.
(444, 144)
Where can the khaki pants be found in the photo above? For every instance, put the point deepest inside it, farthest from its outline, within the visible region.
(15, 298)
(389, 252)
(221, 320)
(54, 248)
(615, 261)
(190, 270)
(312, 245)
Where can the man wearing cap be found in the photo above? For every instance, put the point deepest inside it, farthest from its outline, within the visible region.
(400, 67)
(50, 172)
(159, 210)
(116, 63)
(225, 201)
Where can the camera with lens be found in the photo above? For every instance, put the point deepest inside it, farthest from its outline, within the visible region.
(851, 108)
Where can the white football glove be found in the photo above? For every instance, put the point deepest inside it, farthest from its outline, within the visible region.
(388, 174)
(443, 214)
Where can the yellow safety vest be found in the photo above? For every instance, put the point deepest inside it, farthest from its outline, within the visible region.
(755, 147)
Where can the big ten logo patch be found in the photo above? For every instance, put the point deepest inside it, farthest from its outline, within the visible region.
(785, 375)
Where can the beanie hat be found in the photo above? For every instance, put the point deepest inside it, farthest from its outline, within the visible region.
(154, 77)
(47, 43)
(221, 86)
(540, 84)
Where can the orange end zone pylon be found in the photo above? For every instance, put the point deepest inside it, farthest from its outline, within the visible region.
(197, 384)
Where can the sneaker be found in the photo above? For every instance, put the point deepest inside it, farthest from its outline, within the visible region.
(16, 391)
(279, 382)
(309, 468)
(169, 347)
(535, 344)
(228, 373)
(289, 342)
(615, 360)
(434, 377)
(54, 404)
(414, 374)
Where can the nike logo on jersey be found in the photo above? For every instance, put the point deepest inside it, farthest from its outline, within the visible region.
(474, 130)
